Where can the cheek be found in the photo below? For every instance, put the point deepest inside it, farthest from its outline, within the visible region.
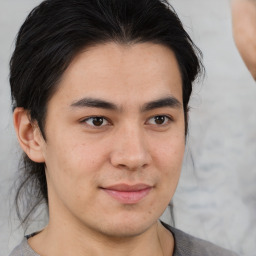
(73, 167)
(169, 158)
(73, 162)
(170, 154)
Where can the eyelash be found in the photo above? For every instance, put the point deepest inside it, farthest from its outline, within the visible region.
(167, 119)
(106, 122)
(93, 118)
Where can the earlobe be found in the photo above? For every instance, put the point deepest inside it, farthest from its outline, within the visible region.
(29, 135)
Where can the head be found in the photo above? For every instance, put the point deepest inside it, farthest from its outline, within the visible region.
(124, 68)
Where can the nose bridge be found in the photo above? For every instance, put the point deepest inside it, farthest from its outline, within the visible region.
(130, 150)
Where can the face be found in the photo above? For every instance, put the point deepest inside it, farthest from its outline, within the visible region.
(115, 139)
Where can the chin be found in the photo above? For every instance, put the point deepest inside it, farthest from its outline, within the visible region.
(127, 227)
(125, 231)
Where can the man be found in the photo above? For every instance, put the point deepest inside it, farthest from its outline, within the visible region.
(100, 95)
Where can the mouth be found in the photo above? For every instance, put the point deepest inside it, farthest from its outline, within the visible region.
(128, 194)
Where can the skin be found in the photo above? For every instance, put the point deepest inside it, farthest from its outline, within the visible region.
(244, 31)
(128, 147)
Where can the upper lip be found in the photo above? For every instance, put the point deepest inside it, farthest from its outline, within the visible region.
(128, 188)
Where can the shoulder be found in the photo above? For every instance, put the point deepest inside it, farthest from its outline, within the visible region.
(23, 249)
(187, 245)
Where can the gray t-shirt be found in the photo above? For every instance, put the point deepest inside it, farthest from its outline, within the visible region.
(185, 245)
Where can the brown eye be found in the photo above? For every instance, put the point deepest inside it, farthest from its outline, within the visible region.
(159, 120)
(96, 121)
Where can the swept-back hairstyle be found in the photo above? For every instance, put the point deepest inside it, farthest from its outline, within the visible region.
(55, 32)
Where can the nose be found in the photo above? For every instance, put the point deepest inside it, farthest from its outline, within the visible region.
(130, 149)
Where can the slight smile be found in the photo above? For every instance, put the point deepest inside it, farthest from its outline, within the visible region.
(128, 194)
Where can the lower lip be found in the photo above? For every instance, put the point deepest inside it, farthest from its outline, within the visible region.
(128, 197)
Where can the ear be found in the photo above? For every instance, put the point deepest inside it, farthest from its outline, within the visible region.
(29, 135)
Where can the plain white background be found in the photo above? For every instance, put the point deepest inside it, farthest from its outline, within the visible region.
(216, 199)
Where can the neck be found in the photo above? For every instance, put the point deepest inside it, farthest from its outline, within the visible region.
(54, 241)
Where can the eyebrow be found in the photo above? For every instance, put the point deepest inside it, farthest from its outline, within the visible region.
(94, 103)
(169, 101)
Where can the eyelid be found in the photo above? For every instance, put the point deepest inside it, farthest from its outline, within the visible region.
(169, 119)
(86, 119)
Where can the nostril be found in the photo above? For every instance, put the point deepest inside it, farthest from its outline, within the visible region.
(132, 166)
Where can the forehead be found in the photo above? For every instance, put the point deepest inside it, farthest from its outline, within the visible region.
(120, 72)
